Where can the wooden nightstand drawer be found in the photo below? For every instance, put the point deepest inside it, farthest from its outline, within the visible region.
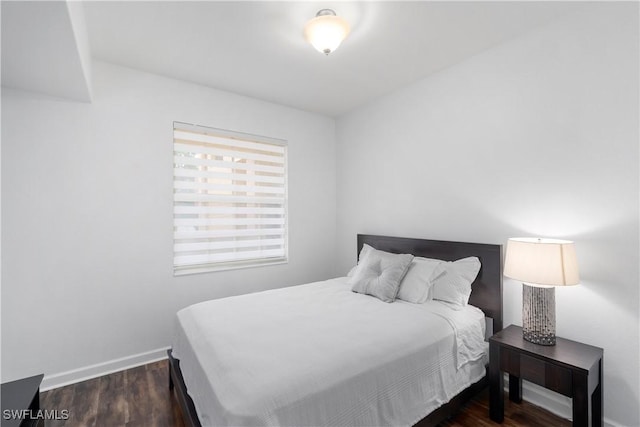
(537, 371)
(532, 369)
(546, 374)
(559, 380)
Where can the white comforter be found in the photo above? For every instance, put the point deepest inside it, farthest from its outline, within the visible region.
(321, 355)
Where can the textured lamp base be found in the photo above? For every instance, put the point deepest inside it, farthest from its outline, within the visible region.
(539, 315)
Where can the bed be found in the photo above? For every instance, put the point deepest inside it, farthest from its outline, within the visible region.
(297, 370)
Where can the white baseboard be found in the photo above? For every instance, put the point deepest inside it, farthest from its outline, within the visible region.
(93, 371)
(553, 402)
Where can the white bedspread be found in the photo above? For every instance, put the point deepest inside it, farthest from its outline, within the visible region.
(321, 355)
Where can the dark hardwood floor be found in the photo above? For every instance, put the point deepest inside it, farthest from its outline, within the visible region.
(135, 397)
(141, 397)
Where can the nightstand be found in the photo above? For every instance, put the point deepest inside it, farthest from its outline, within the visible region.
(569, 368)
(21, 396)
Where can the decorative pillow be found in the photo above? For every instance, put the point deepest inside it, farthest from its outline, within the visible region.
(352, 271)
(455, 286)
(419, 278)
(379, 273)
(363, 253)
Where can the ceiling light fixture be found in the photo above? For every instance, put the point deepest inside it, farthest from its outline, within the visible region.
(326, 31)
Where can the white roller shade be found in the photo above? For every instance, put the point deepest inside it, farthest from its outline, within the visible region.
(230, 199)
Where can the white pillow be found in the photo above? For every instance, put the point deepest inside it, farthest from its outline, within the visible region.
(379, 273)
(417, 282)
(352, 271)
(363, 253)
(455, 286)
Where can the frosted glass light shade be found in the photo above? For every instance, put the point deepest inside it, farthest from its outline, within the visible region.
(541, 261)
(326, 31)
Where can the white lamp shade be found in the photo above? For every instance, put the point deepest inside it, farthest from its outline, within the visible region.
(326, 32)
(541, 261)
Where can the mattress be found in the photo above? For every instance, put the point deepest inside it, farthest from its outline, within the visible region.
(321, 355)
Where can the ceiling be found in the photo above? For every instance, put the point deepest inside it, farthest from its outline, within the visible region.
(257, 48)
(45, 48)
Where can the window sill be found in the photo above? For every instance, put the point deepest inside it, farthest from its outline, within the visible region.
(187, 271)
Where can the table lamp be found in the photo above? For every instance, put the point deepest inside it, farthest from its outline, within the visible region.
(541, 265)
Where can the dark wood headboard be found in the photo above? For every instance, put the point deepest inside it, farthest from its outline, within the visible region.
(486, 290)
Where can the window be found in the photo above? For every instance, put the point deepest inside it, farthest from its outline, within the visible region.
(229, 200)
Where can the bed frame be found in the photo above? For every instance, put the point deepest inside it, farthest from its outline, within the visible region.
(486, 295)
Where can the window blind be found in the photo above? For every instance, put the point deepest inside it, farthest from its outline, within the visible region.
(229, 199)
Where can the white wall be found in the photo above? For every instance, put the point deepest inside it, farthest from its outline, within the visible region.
(87, 217)
(535, 137)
